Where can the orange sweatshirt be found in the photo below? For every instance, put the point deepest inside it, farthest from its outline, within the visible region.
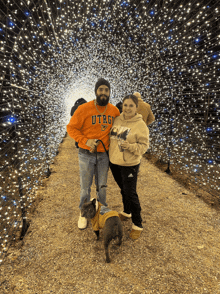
(90, 123)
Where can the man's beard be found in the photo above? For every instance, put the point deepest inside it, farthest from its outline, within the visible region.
(102, 102)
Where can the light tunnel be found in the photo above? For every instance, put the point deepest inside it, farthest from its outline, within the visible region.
(52, 52)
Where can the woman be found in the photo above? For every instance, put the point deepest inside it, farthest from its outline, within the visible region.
(129, 140)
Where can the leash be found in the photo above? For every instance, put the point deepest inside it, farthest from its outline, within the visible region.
(96, 165)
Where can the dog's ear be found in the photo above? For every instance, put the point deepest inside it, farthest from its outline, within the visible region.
(94, 202)
(85, 201)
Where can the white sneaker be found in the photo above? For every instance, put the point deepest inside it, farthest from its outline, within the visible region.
(82, 222)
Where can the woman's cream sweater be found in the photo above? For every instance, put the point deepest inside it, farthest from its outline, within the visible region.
(135, 132)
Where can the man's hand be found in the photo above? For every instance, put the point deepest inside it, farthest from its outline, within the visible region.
(92, 143)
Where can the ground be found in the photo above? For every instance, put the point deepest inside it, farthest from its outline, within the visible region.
(206, 193)
(178, 251)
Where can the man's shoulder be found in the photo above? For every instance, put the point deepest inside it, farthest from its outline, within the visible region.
(73, 109)
(87, 105)
(113, 108)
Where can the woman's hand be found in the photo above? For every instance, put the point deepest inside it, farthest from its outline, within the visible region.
(125, 145)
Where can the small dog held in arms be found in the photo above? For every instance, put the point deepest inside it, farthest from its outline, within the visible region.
(103, 218)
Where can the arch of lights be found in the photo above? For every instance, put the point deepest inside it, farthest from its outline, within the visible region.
(53, 51)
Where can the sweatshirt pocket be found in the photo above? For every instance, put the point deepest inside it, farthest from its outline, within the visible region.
(131, 158)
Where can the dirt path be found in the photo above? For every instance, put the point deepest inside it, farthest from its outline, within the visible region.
(178, 252)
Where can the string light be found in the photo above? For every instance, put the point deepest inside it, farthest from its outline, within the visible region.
(53, 52)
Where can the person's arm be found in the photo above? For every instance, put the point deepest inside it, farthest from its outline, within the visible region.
(74, 130)
(150, 117)
(74, 127)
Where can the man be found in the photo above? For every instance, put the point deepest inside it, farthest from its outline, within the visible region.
(145, 110)
(92, 121)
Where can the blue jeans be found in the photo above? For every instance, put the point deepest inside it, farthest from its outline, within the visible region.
(88, 168)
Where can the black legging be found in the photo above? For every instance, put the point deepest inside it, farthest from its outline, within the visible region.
(126, 178)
